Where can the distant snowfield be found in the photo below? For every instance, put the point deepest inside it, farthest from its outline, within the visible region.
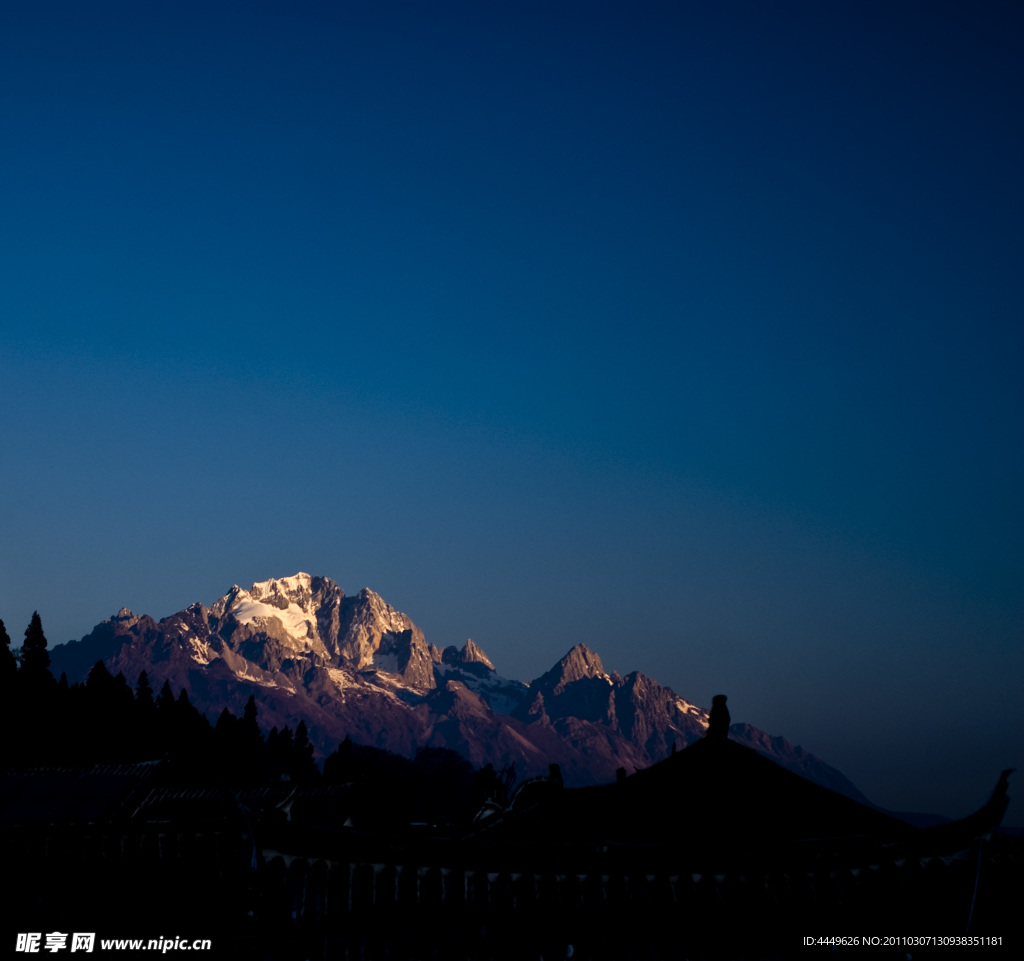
(246, 610)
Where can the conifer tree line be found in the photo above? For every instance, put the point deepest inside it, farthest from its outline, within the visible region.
(103, 721)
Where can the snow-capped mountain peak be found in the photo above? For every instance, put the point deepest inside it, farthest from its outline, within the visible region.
(356, 666)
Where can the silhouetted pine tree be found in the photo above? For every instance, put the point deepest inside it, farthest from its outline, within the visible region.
(145, 736)
(74, 744)
(339, 767)
(108, 715)
(239, 748)
(144, 695)
(278, 752)
(123, 694)
(192, 737)
(8, 689)
(124, 728)
(303, 767)
(94, 715)
(165, 719)
(99, 678)
(251, 712)
(225, 728)
(225, 740)
(165, 703)
(35, 660)
(8, 665)
(35, 695)
(250, 742)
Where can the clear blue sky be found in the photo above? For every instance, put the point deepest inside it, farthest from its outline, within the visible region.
(689, 331)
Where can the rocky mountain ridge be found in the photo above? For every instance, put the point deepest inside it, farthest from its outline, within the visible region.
(355, 666)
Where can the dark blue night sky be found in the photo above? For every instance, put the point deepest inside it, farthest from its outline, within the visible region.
(689, 331)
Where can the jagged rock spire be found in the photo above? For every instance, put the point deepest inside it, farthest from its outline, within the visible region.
(470, 654)
(577, 664)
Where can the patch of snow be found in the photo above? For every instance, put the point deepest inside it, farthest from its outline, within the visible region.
(503, 702)
(476, 681)
(687, 708)
(699, 714)
(247, 610)
(388, 663)
(253, 674)
(295, 582)
(262, 680)
(201, 652)
(372, 684)
(501, 694)
(341, 679)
